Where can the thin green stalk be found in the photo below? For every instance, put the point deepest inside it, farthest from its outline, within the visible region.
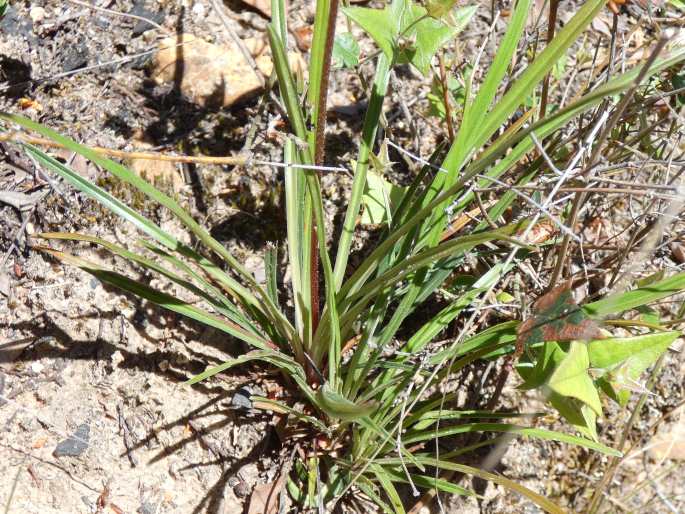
(371, 121)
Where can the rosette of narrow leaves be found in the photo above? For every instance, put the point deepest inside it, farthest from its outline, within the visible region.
(371, 397)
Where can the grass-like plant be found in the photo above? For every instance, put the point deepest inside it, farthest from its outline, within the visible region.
(372, 402)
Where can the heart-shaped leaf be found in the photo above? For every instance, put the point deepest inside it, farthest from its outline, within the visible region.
(622, 360)
(345, 51)
(577, 413)
(406, 33)
(379, 199)
(571, 377)
(547, 358)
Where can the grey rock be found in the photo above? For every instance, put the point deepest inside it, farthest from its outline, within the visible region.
(241, 399)
(14, 24)
(139, 9)
(75, 57)
(74, 445)
(148, 507)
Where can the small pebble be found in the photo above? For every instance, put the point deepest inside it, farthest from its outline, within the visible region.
(117, 358)
(241, 489)
(30, 229)
(37, 367)
(163, 365)
(241, 399)
(199, 10)
(37, 14)
(182, 359)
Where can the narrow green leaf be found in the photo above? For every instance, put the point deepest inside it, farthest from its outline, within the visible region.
(390, 491)
(210, 372)
(339, 407)
(282, 408)
(536, 433)
(428, 482)
(151, 192)
(637, 297)
(512, 485)
(271, 268)
(162, 299)
(371, 121)
(216, 300)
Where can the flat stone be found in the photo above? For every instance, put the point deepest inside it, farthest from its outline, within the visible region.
(213, 75)
(74, 445)
(141, 26)
(241, 399)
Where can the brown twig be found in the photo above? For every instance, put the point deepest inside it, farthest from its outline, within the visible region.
(551, 25)
(446, 97)
(580, 197)
(155, 156)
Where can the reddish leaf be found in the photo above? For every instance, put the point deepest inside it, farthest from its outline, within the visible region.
(556, 317)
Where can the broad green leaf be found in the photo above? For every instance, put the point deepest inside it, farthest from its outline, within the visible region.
(622, 360)
(380, 199)
(405, 33)
(431, 35)
(439, 8)
(546, 357)
(383, 25)
(577, 413)
(345, 51)
(571, 378)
